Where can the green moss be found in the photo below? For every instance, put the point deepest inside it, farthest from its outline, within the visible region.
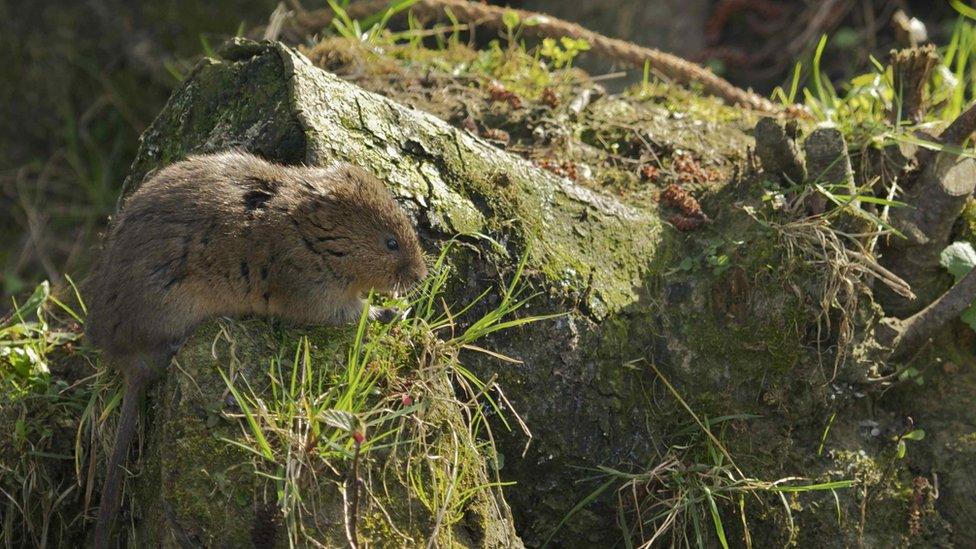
(968, 221)
(692, 103)
(966, 443)
(618, 180)
(203, 105)
(199, 463)
(199, 477)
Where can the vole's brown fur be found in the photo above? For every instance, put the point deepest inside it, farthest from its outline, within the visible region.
(232, 234)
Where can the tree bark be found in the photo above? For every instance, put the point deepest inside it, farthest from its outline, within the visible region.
(934, 203)
(911, 70)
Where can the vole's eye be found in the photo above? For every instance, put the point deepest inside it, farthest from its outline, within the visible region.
(392, 244)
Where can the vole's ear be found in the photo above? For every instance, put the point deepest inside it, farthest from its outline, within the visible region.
(349, 176)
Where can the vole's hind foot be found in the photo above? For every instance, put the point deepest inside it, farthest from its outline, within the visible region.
(386, 315)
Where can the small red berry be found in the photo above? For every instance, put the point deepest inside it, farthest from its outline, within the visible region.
(406, 399)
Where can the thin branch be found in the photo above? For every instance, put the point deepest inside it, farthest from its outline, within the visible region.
(917, 328)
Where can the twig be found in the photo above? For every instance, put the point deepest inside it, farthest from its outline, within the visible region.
(352, 515)
(923, 324)
(864, 516)
(885, 211)
(961, 128)
(518, 418)
(889, 278)
(953, 136)
(432, 542)
(275, 22)
(897, 373)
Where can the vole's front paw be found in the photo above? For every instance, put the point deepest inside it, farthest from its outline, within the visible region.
(386, 315)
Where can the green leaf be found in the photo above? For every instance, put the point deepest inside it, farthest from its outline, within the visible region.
(917, 434)
(339, 419)
(510, 19)
(963, 8)
(832, 485)
(901, 449)
(846, 38)
(716, 518)
(33, 303)
(958, 258)
(382, 16)
(251, 421)
(969, 316)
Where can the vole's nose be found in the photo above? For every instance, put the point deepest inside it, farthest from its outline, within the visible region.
(411, 275)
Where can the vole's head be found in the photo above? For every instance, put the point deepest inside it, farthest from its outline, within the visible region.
(363, 235)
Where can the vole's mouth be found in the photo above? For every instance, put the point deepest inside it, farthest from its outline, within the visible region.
(401, 286)
(392, 293)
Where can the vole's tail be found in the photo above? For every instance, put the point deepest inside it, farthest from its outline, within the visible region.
(135, 387)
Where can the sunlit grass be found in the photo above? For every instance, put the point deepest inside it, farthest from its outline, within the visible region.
(390, 393)
(861, 106)
(39, 495)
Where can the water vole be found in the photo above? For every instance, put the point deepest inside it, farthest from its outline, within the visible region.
(232, 234)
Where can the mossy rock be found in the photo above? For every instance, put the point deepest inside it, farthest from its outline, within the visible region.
(724, 314)
(197, 488)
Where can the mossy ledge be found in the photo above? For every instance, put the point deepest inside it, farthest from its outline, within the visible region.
(582, 386)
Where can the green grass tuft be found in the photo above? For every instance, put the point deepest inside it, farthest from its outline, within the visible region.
(386, 405)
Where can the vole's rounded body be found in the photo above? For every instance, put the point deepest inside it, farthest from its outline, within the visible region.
(232, 234)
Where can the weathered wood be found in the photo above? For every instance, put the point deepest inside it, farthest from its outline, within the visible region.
(934, 203)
